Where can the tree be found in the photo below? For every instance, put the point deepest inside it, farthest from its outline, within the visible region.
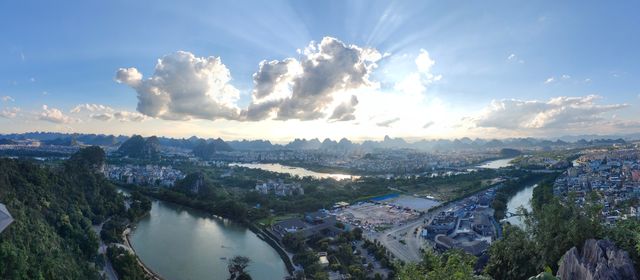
(452, 265)
(237, 268)
(513, 257)
(626, 235)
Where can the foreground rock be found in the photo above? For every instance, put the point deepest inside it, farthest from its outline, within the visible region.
(598, 259)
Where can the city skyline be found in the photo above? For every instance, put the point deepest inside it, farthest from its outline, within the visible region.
(285, 70)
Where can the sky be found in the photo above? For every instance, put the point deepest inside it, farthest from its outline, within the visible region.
(280, 70)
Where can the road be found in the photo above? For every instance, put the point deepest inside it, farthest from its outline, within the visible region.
(107, 270)
(410, 251)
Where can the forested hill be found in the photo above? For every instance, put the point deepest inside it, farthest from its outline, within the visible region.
(54, 209)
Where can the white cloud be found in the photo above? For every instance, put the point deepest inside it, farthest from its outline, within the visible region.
(314, 86)
(428, 124)
(411, 84)
(9, 113)
(417, 82)
(565, 77)
(126, 116)
(102, 116)
(424, 62)
(90, 108)
(514, 58)
(387, 123)
(7, 98)
(106, 113)
(550, 80)
(184, 87)
(559, 112)
(345, 111)
(54, 115)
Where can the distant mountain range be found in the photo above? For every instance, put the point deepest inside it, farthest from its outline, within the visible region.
(206, 147)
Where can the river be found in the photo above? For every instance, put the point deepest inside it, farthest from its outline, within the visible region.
(498, 163)
(181, 243)
(521, 198)
(294, 171)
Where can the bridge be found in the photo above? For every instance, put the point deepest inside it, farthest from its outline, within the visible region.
(510, 214)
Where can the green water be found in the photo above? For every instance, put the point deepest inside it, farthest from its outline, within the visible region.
(182, 243)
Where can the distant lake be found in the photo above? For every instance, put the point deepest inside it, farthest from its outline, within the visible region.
(294, 171)
(181, 243)
(521, 198)
(498, 163)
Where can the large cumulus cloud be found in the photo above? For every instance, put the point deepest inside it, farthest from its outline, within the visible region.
(184, 87)
(558, 112)
(305, 89)
(313, 86)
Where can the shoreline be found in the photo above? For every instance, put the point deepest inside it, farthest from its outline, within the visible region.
(261, 234)
(268, 238)
(147, 270)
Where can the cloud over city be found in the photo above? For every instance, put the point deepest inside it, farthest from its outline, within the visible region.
(555, 113)
(106, 113)
(54, 115)
(315, 86)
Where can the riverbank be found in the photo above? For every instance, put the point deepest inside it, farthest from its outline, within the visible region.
(266, 236)
(265, 252)
(148, 271)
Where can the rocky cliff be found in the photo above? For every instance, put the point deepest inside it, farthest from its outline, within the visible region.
(598, 259)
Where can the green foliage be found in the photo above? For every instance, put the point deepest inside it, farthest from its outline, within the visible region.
(557, 226)
(52, 236)
(91, 157)
(237, 267)
(112, 230)
(626, 235)
(139, 206)
(139, 147)
(452, 265)
(513, 257)
(125, 264)
(293, 242)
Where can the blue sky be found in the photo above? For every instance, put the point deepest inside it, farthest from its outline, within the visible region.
(65, 53)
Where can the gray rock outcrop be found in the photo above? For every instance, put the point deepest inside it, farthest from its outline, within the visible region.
(598, 260)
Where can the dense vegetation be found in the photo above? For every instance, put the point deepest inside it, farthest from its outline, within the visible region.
(552, 228)
(207, 150)
(139, 147)
(452, 265)
(54, 210)
(125, 263)
(346, 254)
(237, 267)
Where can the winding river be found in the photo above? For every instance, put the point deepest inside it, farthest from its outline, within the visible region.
(181, 243)
(294, 171)
(521, 198)
(496, 164)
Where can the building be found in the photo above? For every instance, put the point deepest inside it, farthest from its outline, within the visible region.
(444, 223)
(319, 222)
(5, 218)
(279, 188)
(482, 224)
(459, 241)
